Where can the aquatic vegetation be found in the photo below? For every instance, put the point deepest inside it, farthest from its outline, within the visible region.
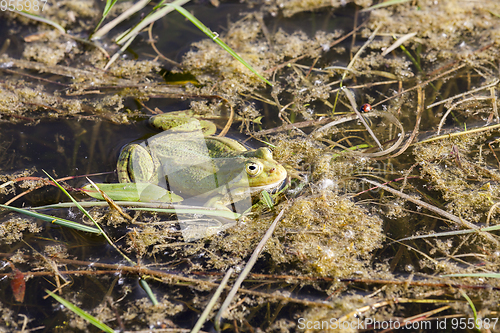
(341, 247)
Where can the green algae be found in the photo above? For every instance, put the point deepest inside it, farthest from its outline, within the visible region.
(332, 229)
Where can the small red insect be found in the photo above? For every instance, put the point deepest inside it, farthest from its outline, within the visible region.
(365, 108)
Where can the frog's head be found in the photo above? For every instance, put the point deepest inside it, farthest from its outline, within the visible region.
(263, 172)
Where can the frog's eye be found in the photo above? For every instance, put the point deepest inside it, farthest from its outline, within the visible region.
(253, 169)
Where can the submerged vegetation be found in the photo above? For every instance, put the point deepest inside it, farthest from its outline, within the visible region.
(412, 248)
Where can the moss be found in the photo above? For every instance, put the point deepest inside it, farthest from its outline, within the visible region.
(133, 69)
(142, 312)
(290, 8)
(8, 321)
(322, 234)
(56, 251)
(114, 101)
(448, 167)
(333, 228)
(13, 229)
(47, 53)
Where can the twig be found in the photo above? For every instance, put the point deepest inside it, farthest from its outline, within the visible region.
(33, 77)
(341, 39)
(494, 83)
(211, 304)
(452, 135)
(423, 84)
(398, 42)
(172, 278)
(420, 284)
(434, 209)
(351, 99)
(41, 179)
(420, 110)
(288, 127)
(153, 45)
(112, 204)
(386, 115)
(365, 85)
(443, 119)
(247, 269)
(229, 121)
(494, 103)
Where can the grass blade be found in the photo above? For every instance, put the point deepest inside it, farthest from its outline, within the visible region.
(92, 219)
(123, 16)
(74, 201)
(220, 213)
(113, 205)
(55, 220)
(452, 233)
(144, 192)
(148, 291)
(162, 10)
(266, 198)
(131, 262)
(151, 17)
(119, 52)
(107, 9)
(91, 319)
(90, 204)
(215, 38)
(385, 4)
(480, 275)
(41, 19)
(398, 42)
(472, 306)
(248, 267)
(203, 317)
(494, 14)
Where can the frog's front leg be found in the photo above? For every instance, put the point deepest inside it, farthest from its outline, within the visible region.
(135, 165)
(223, 199)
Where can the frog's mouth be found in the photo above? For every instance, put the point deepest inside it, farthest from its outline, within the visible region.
(271, 188)
(281, 185)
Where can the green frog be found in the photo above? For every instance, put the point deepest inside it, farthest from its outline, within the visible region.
(188, 160)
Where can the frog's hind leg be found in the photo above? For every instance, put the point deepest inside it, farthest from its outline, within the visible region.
(135, 165)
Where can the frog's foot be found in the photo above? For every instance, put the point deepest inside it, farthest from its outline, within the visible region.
(220, 206)
(217, 203)
(180, 122)
(292, 173)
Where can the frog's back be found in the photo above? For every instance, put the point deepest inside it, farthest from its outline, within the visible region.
(191, 148)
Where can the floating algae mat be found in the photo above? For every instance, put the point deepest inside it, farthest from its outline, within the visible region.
(384, 115)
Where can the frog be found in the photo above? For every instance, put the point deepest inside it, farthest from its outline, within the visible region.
(188, 159)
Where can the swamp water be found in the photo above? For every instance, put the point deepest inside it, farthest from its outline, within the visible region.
(333, 256)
